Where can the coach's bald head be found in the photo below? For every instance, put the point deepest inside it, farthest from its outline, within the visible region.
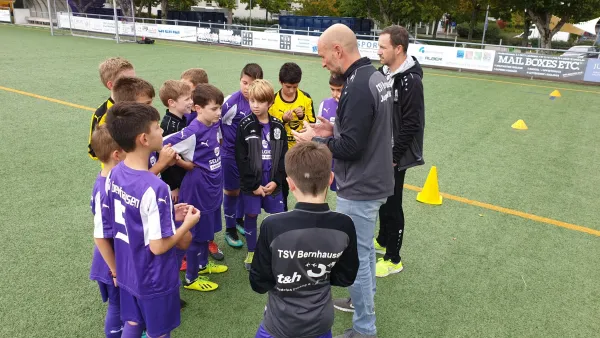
(338, 48)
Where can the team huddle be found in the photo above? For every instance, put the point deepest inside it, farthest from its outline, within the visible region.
(158, 198)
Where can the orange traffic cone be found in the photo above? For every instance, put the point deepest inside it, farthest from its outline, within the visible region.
(431, 191)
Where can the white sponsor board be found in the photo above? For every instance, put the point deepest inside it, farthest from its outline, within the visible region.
(304, 44)
(368, 48)
(469, 58)
(263, 40)
(230, 37)
(4, 15)
(207, 35)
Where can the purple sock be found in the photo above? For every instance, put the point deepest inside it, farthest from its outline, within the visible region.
(250, 228)
(229, 209)
(113, 326)
(192, 261)
(202, 254)
(239, 213)
(132, 331)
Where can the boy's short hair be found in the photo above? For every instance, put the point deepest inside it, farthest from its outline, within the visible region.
(309, 165)
(290, 73)
(252, 70)
(173, 90)
(103, 144)
(261, 91)
(195, 75)
(126, 120)
(336, 81)
(111, 68)
(206, 93)
(128, 88)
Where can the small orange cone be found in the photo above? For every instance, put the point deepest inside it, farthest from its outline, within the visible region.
(519, 125)
(431, 191)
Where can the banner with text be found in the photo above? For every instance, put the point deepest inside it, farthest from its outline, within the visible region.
(230, 37)
(592, 71)
(207, 35)
(5, 15)
(304, 44)
(557, 67)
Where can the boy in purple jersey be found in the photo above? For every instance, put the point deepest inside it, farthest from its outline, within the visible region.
(328, 107)
(103, 269)
(142, 217)
(135, 89)
(235, 108)
(202, 187)
(260, 148)
(193, 77)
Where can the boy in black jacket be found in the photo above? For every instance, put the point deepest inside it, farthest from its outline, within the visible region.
(405, 76)
(300, 254)
(261, 144)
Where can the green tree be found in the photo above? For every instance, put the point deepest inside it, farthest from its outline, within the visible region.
(541, 11)
(270, 6)
(230, 5)
(319, 7)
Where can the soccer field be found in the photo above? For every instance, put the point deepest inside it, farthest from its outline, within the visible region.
(523, 264)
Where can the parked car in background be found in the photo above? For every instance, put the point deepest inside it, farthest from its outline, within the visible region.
(584, 52)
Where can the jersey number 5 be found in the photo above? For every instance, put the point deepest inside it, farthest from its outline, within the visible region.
(119, 219)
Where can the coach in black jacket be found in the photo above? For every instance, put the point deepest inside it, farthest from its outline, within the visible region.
(248, 153)
(405, 76)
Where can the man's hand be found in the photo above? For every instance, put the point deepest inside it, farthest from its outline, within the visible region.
(181, 210)
(270, 187)
(287, 116)
(175, 195)
(260, 191)
(323, 129)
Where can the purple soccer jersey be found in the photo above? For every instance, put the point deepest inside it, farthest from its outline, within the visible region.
(201, 187)
(328, 108)
(140, 210)
(234, 109)
(102, 229)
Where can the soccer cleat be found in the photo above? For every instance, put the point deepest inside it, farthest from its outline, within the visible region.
(183, 265)
(240, 229)
(211, 268)
(248, 260)
(378, 248)
(201, 284)
(215, 252)
(384, 268)
(233, 240)
(343, 304)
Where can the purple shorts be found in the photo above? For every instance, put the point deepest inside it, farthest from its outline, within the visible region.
(272, 204)
(159, 315)
(231, 174)
(209, 224)
(262, 333)
(108, 292)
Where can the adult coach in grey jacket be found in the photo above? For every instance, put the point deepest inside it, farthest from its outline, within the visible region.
(361, 144)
